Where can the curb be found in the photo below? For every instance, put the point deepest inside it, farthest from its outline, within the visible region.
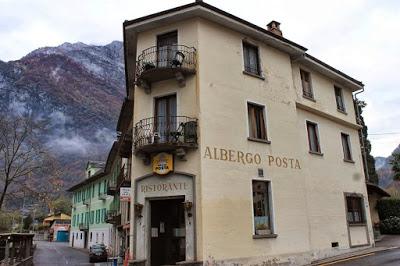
(350, 256)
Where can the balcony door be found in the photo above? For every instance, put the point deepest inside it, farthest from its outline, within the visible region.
(166, 48)
(165, 117)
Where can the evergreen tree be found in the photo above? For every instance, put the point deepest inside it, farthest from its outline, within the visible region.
(395, 162)
(366, 150)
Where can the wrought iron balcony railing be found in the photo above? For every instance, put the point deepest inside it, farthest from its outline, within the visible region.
(113, 217)
(86, 201)
(111, 189)
(165, 133)
(83, 227)
(103, 196)
(160, 63)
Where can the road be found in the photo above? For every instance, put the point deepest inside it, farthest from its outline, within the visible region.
(383, 258)
(58, 253)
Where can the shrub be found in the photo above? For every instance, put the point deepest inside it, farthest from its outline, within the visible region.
(390, 225)
(388, 208)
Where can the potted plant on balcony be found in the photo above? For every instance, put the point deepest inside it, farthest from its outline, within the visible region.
(262, 229)
(148, 66)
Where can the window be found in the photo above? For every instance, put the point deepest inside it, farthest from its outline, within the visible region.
(92, 217)
(99, 189)
(346, 147)
(103, 215)
(339, 99)
(251, 59)
(354, 209)
(91, 236)
(81, 235)
(306, 84)
(313, 141)
(97, 216)
(257, 128)
(261, 208)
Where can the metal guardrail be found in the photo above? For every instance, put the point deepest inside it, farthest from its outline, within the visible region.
(165, 130)
(171, 56)
(16, 249)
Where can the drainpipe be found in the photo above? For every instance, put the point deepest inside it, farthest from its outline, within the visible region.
(363, 150)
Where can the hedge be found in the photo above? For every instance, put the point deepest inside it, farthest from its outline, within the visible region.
(390, 226)
(388, 208)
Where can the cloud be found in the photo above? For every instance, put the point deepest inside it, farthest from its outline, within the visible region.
(358, 37)
(70, 145)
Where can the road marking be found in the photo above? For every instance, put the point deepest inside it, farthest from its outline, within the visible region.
(343, 260)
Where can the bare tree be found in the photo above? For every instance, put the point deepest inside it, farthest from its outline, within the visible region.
(21, 153)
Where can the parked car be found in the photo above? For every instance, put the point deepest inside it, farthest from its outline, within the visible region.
(98, 253)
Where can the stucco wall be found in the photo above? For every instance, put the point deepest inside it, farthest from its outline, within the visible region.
(308, 201)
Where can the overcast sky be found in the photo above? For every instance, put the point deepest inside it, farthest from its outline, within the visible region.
(358, 37)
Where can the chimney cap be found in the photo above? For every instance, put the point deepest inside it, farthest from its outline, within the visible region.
(274, 27)
(272, 23)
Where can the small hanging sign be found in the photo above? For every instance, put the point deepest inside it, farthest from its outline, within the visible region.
(163, 163)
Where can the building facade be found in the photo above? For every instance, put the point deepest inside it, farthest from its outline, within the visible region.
(90, 206)
(245, 147)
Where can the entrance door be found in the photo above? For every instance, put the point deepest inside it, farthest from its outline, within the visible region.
(165, 112)
(85, 239)
(167, 232)
(166, 48)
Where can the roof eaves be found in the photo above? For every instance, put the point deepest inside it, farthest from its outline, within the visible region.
(87, 181)
(338, 72)
(220, 12)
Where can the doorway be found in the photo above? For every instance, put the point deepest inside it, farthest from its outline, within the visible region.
(165, 113)
(166, 48)
(167, 232)
(85, 239)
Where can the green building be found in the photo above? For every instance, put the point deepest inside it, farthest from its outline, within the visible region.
(94, 205)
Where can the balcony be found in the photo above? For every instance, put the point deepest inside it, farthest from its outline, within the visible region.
(86, 202)
(162, 63)
(103, 196)
(113, 217)
(111, 189)
(161, 133)
(83, 227)
(123, 177)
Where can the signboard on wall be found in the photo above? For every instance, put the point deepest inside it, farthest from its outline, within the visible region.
(125, 193)
(163, 163)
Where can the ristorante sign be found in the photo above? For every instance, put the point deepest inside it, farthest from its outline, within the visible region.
(248, 158)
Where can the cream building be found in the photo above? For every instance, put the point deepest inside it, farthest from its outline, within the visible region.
(245, 147)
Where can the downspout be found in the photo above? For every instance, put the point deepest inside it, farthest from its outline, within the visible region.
(363, 150)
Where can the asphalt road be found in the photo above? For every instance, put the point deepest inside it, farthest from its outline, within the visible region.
(57, 254)
(383, 258)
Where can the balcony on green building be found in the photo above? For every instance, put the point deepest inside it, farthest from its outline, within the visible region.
(83, 226)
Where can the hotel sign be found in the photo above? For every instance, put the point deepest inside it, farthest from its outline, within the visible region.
(248, 158)
(163, 163)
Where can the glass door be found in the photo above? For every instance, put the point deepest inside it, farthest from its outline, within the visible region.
(165, 117)
(166, 48)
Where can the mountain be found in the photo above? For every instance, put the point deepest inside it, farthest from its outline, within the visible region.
(385, 173)
(79, 89)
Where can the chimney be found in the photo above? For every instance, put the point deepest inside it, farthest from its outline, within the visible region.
(274, 27)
